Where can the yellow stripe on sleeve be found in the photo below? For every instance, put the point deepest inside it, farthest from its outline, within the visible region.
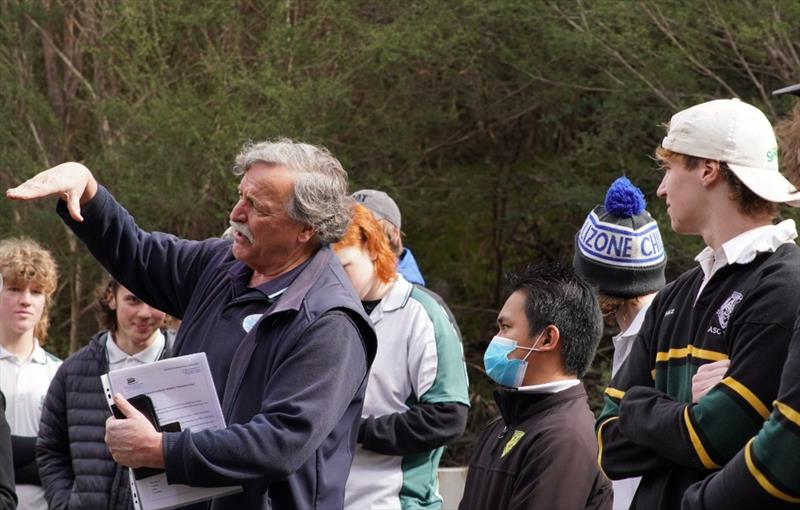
(615, 393)
(748, 395)
(791, 415)
(705, 458)
(691, 350)
(762, 480)
(600, 443)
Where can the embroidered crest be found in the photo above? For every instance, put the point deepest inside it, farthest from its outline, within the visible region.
(725, 311)
(512, 442)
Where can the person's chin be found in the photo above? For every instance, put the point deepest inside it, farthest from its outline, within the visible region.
(236, 249)
(683, 229)
(242, 253)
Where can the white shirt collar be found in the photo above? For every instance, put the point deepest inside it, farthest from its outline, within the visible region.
(37, 356)
(396, 298)
(636, 325)
(623, 342)
(148, 355)
(550, 387)
(743, 248)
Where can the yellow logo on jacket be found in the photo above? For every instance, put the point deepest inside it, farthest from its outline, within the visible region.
(515, 437)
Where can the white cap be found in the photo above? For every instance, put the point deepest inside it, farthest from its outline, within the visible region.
(738, 134)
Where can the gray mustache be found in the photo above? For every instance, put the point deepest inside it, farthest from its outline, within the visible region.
(242, 229)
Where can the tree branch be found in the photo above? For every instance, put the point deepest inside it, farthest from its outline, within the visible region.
(740, 57)
(64, 58)
(663, 24)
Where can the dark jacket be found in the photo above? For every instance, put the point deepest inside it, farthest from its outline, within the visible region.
(766, 473)
(75, 465)
(540, 454)
(649, 425)
(290, 371)
(8, 495)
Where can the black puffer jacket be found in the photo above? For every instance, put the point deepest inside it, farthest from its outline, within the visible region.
(75, 465)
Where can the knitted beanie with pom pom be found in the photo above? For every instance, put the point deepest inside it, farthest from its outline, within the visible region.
(619, 248)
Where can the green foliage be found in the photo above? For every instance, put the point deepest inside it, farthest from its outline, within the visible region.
(496, 125)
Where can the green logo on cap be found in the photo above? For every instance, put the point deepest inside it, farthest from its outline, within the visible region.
(772, 155)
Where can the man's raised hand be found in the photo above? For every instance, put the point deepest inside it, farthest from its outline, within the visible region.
(72, 182)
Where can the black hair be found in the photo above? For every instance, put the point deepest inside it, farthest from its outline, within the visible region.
(555, 295)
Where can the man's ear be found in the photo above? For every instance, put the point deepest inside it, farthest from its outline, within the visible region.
(111, 300)
(709, 172)
(306, 234)
(551, 338)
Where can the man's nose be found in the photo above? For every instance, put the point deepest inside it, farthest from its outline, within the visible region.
(661, 192)
(237, 213)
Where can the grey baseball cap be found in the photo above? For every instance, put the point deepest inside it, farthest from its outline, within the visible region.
(791, 89)
(381, 205)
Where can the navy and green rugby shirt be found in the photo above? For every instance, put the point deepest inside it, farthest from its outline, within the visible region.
(766, 473)
(649, 426)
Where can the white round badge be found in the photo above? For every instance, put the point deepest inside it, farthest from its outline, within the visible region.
(250, 321)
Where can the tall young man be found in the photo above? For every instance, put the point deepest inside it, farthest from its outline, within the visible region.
(764, 473)
(721, 181)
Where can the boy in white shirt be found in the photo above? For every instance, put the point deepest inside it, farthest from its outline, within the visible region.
(26, 369)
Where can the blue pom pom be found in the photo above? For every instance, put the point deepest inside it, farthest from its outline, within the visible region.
(624, 199)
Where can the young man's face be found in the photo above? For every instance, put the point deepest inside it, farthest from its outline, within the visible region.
(21, 306)
(137, 322)
(681, 188)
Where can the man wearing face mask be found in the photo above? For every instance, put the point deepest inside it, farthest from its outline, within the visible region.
(541, 452)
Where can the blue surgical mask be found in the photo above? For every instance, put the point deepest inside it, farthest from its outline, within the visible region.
(504, 371)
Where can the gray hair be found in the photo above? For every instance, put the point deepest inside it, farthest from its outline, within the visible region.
(320, 199)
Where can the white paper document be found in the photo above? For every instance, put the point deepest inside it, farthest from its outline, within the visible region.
(182, 391)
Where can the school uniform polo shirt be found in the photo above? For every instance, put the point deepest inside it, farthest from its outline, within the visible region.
(117, 358)
(24, 382)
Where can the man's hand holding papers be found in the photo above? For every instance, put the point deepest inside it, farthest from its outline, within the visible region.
(133, 441)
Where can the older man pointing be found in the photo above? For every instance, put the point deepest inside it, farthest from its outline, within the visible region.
(286, 337)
